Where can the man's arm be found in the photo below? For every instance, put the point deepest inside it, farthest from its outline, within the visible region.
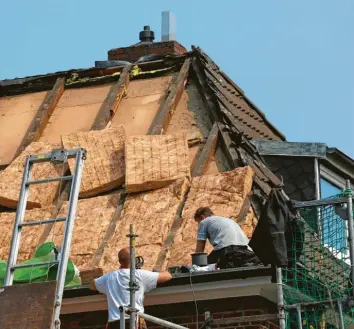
(164, 277)
(200, 246)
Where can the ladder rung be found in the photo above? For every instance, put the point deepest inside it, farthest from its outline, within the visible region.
(33, 265)
(46, 221)
(47, 180)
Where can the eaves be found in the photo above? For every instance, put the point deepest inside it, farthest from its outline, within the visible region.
(206, 286)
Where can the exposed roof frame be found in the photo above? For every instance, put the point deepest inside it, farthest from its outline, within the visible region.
(46, 81)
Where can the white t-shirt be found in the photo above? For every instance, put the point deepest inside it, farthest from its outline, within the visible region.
(115, 286)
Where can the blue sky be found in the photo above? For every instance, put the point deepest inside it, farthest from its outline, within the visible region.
(294, 59)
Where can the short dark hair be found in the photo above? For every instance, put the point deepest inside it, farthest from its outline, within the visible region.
(203, 211)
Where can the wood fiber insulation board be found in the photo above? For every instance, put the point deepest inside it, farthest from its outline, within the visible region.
(40, 195)
(137, 110)
(152, 213)
(30, 234)
(224, 193)
(16, 114)
(155, 161)
(93, 217)
(104, 167)
(75, 112)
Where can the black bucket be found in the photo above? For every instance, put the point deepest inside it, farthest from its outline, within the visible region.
(200, 259)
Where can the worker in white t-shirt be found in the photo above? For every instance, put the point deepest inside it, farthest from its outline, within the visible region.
(115, 286)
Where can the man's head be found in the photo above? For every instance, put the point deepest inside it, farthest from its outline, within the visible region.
(202, 213)
(124, 257)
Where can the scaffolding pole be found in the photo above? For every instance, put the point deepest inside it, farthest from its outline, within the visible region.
(133, 285)
(351, 234)
(340, 311)
(280, 295)
(318, 197)
(299, 317)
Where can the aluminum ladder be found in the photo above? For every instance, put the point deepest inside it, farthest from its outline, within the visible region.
(57, 156)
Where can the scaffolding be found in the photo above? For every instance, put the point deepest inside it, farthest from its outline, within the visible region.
(315, 290)
(131, 311)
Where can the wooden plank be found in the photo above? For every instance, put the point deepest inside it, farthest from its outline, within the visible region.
(110, 105)
(165, 112)
(42, 116)
(207, 151)
(231, 154)
(291, 148)
(245, 208)
(269, 174)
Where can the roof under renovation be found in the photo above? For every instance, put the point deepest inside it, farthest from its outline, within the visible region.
(166, 130)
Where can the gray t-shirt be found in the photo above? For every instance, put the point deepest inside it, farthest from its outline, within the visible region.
(221, 232)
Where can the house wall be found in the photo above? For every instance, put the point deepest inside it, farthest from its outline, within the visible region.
(185, 314)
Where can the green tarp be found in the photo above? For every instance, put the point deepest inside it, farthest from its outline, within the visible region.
(42, 273)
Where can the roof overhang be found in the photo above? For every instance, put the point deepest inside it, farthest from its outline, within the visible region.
(206, 286)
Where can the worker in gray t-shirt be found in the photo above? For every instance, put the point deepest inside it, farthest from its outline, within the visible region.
(221, 232)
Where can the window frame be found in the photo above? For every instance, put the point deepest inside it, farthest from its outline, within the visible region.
(339, 182)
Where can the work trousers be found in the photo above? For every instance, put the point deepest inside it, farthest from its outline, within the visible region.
(233, 256)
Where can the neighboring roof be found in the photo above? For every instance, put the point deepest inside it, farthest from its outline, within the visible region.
(330, 156)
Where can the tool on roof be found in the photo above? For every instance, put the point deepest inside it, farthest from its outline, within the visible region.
(57, 156)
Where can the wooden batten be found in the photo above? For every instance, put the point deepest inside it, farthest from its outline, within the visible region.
(207, 151)
(165, 112)
(42, 116)
(111, 103)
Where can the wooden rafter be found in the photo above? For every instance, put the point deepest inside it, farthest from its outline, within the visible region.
(42, 116)
(207, 151)
(164, 113)
(110, 105)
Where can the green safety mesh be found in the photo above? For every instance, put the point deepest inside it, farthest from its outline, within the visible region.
(318, 273)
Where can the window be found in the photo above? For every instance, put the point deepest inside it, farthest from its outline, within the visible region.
(334, 231)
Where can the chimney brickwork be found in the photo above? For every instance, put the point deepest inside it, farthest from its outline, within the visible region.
(133, 53)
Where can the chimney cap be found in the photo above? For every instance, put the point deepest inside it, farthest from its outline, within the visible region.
(146, 35)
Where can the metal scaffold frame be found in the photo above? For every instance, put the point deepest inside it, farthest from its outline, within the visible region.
(335, 304)
(133, 287)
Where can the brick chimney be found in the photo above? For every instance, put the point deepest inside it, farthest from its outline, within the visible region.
(146, 46)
